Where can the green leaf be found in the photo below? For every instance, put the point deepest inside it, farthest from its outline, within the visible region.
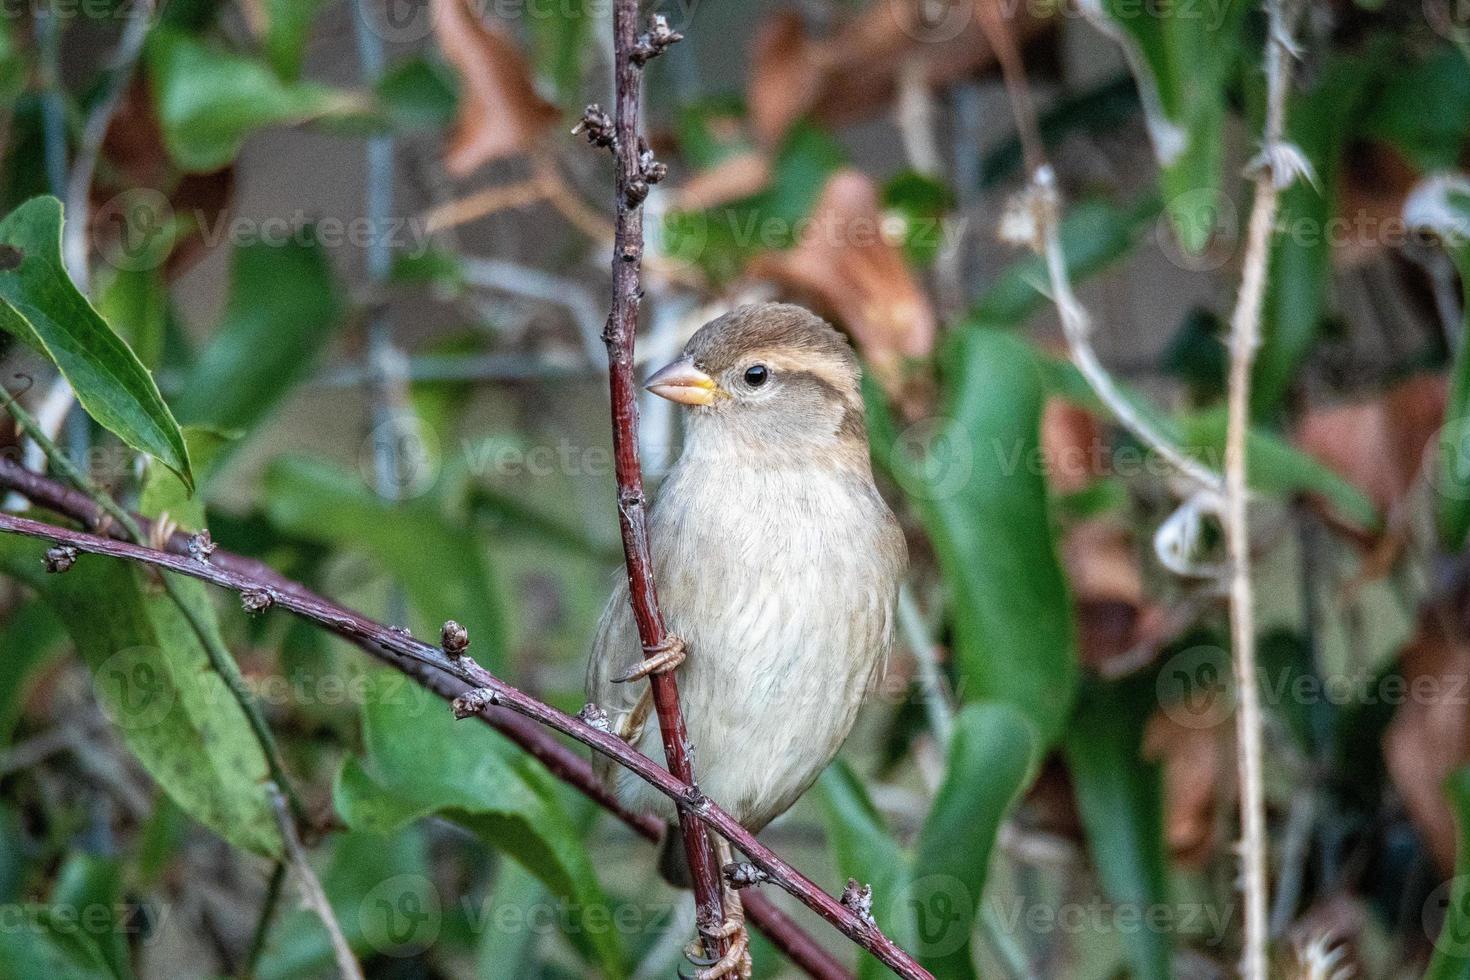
(1121, 799)
(479, 780)
(864, 849)
(1094, 234)
(1430, 131)
(284, 307)
(48, 944)
(921, 202)
(288, 32)
(31, 639)
(1273, 465)
(1442, 206)
(209, 100)
(992, 756)
(1181, 58)
(39, 305)
(982, 496)
(440, 564)
(1320, 123)
(89, 890)
(559, 46)
(1452, 946)
(155, 684)
(419, 94)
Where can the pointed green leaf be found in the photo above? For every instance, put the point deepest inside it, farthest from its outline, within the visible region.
(1181, 57)
(155, 684)
(864, 849)
(40, 305)
(1121, 799)
(483, 782)
(992, 756)
(982, 495)
(209, 100)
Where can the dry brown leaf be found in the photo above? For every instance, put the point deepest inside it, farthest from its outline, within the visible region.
(1370, 201)
(849, 266)
(732, 179)
(1427, 739)
(1192, 761)
(500, 113)
(1378, 445)
(134, 150)
(854, 70)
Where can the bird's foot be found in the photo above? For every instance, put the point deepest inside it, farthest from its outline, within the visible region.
(734, 965)
(666, 656)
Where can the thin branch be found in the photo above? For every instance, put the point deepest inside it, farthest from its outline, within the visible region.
(490, 200)
(89, 146)
(1037, 223)
(267, 916)
(1274, 170)
(636, 171)
(312, 894)
(219, 657)
(483, 694)
(563, 763)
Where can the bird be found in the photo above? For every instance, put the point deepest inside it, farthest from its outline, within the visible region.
(777, 562)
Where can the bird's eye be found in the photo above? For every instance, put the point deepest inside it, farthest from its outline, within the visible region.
(756, 375)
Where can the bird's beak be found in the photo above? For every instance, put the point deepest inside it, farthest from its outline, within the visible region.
(684, 383)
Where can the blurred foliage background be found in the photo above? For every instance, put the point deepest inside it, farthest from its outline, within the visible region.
(366, 263)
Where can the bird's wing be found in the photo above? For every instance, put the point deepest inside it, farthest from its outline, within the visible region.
(615, 651)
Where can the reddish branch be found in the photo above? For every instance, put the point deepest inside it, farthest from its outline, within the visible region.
(636, 170)
(515, 714)
(563, 763)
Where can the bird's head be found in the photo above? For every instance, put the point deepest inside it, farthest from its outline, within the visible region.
(772, 377)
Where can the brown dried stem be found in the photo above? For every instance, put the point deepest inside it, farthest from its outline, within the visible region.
(636, 170)
(515, 717)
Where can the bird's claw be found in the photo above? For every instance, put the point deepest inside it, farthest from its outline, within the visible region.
(734, 965)
(665, 657)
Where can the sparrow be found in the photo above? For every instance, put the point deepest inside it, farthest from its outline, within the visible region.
(777, 562)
